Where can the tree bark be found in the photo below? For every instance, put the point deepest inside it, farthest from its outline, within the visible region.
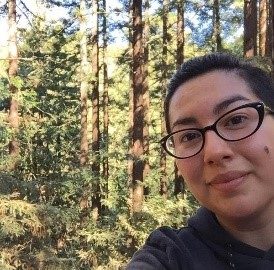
(178, 179)
(180, 33)
(138, 108)
(83, 85)
(96, 198)
(179, 186)
(216, 26)
(268, 30)
(250, 28)
(105, 103)
(12, 72)
(130, 116)
(272, 37)
(264, 25)
(163, 173)
(146, 90)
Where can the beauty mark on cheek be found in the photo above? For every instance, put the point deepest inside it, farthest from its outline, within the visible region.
(266, 149)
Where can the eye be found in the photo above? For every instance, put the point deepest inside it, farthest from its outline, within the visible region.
(189, 136)
(236, 121)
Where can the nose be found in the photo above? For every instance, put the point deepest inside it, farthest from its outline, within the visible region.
(216, 150)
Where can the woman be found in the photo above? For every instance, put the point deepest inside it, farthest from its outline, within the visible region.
(220, 128)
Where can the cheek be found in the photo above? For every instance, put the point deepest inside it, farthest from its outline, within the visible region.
(259, 150)
(191, 169)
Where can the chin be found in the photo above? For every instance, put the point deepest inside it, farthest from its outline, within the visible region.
(238, 213)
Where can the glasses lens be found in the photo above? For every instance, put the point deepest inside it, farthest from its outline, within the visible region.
(185, 143)
(238, 124)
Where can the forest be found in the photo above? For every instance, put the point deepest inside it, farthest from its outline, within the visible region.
(83, 178)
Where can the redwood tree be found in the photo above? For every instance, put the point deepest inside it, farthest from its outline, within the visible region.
(180, 41)
(163, 183)
(146, 88)
(250, 28)
(264, 28)
(216, 26)
(96, 199)
(272, 38)
(138, 107)
(83, 84)
(105, 100)
(180, 33)
(12, 72)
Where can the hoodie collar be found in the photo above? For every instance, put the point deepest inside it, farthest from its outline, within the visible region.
(207, 226)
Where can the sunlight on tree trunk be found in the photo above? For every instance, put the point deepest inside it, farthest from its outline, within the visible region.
(12, 72)
(138, 107)
(83, 84)
(105, 103)
(96, 198)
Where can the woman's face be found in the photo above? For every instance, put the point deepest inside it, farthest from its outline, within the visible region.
(233, 179)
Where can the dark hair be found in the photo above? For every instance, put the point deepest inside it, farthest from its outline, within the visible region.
(258, 80)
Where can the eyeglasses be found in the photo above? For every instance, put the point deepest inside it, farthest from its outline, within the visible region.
(235, 125)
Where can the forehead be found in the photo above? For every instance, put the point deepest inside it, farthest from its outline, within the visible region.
(199, 96)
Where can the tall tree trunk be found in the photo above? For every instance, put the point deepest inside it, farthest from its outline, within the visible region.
(12, 72)
(105, 101)
(268, 29)
(163, 173)
(179, 185)
(83, 85)
(96, 198)
(272, 36)
(216, 26)
(250, 28)
(265, 28)
(138, 107)
(130, 109)
(146, 89)
(263, 22)
(180, 33)
(130, 143)
(178, 179)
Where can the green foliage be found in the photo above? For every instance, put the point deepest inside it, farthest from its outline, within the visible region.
(46, 202)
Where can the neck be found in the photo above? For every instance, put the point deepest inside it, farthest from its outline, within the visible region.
(256, 231)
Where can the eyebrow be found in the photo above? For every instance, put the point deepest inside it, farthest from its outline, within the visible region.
(216, 110)
(224, 104)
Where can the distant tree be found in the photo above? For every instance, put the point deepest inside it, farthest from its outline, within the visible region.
(250, 28)
(138, 107)
(13, 81)
(216, 35)
(215, 22)
(146, 87)
(180, 37)
(130, 109)
(105, 103)
(96, 197)
(180, 43)
(83, 84)
(163, 179)
(272, 38)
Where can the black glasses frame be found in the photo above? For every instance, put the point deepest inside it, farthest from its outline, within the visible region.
(259, 106)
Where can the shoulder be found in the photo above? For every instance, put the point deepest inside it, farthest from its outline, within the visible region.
(165, 249)
(175, 249)
(165, 237)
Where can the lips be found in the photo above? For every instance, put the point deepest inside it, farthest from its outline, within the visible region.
(228, 181)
